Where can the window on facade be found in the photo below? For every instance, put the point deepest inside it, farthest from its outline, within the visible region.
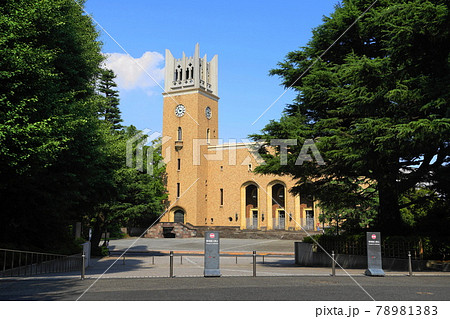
(180, 134)
(178, 190)
(178, 216)
(178, 73)
(249, 167)
(208, 136)
(179, 164)
(221, 197)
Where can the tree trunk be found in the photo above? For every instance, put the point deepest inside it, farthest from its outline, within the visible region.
(96, 238)
(389, 220)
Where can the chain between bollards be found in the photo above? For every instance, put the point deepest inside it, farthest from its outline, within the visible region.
(409, 263)
(83, 264)
(171, 264)
(333, 264)
(254, 263)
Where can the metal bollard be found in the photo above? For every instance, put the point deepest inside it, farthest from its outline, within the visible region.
(171, 264)
(83, 263)
(254, 263)
(333, 264)
(153, 260)
(181, 259)
(236, 259)
(263, 259)
(409, 263)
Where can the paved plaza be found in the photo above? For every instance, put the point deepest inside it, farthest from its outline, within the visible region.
(142, 277)
(192, 266)
(274, 258)
(197, 244)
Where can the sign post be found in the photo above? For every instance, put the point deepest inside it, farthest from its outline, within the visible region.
(212, 254)
(374, 261)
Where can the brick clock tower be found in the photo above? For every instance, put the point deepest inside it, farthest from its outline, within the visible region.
(190, 124)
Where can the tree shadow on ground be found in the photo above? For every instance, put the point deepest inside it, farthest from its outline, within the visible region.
(41, 289)
(280, 263)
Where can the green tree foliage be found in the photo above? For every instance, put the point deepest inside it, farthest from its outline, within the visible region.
(109, 108)
(49, 135)
(60, 163)
(376, 104)
(138, 197)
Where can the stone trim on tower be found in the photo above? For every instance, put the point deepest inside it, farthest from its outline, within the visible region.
(191, 73)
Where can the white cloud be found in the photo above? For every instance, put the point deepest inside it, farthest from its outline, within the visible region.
(144, 73)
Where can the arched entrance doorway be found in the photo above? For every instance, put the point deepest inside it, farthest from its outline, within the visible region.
(178, 216)
(251, 206)
(278, 206)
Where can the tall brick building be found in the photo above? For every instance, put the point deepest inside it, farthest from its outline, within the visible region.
(212, 184)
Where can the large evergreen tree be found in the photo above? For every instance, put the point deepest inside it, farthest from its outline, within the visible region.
(52, 162)
(376, 104)
(60, 162)
(109, 108)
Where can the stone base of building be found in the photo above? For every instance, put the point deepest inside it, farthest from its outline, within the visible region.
(180, 230)
(171, 230)
(236, 232)
(225, 231)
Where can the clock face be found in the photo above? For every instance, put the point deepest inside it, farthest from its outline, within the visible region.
(208, 112)
(179, 110)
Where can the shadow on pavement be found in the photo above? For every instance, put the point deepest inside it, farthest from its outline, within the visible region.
(53, 289)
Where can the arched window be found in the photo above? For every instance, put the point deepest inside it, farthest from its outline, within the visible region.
(251, 196)
(278, 195)
(180, 134)
(251, 206)
(208, 136)
(178, 73)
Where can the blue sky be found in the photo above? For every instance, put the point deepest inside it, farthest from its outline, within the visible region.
(249, 37)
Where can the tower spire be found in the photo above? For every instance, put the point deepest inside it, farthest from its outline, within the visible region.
(191, 72)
